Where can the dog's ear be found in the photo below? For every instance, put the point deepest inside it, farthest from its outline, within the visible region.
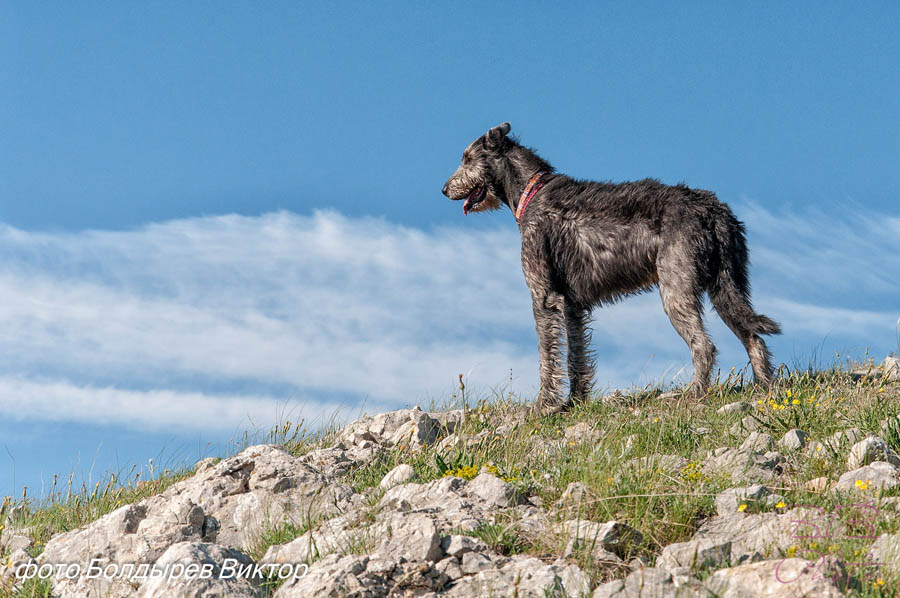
(495, 136)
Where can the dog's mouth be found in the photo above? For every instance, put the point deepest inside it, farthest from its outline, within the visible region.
(474, 199)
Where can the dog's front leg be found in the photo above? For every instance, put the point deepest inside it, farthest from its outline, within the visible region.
(548, 319)
(581, 361)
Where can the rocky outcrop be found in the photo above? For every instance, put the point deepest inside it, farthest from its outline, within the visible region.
(413, 535)
(229, 504)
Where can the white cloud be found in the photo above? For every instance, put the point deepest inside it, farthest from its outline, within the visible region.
(234, 314)
(160, 409)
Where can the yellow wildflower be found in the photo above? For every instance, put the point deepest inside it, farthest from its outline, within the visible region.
(780, 505)
(742, 507)
(862, 485)
(795, 402)
(789, 394)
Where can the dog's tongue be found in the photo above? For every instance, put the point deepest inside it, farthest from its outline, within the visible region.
(467, 205)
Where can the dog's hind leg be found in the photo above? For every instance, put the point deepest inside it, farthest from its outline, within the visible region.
(681, 299)
(578, 340)
(548, 319)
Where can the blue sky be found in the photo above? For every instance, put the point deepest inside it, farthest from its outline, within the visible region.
(217, 215)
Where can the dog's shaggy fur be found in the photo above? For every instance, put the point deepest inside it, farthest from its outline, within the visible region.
(589, 243)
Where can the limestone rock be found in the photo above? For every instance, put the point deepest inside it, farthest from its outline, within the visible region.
(794, 440)
(456, 545)
(204, 464)
(227, 504)
(610, 537)
(474, 562)
(411, 537)
(401, 474)
(523, 577)
(728, 501)
(736, 407)
(199, 554)
(493, 491)
(746, 425)
(652, 582)
(696, 554)
(364, 577)
(582, 432)
(742, 465)
(779, 578)
(819, 484)
(869, 450)
(849, 436)
(754, 536)
(411, 427)
(886, 551)
(869, 479)
(759, 442)
(891, 366)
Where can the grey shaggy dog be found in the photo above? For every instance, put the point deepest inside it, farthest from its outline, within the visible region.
(587, 243)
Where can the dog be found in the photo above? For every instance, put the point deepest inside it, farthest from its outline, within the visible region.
(587, 244)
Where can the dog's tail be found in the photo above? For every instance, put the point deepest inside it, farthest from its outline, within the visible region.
(730, 288)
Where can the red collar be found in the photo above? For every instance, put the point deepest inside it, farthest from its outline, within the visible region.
(534, 185)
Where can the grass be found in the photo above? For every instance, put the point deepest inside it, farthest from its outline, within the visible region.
(541, 457)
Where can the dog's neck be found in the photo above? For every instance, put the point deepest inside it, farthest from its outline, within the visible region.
(523, 164)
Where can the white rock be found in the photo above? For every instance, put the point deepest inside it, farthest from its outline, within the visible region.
(891, 367)
(493, 491)
(610, 537)
(736, 407)
(869, 479)
(886, 551)
(363, 577)
(401, 474)
(228, 504)
(695, 554)
(449, 567)
(523, 577)
(747, 424)
(652, 582)
(411, 427)
(191, 553)
(728, 501)
(759, 442)
(411, 536)
(204, 464)
(779, 578)
(871, 449)
(456, 545)
(581, 432)
(794, 440)
(475, 562)
(743, 466)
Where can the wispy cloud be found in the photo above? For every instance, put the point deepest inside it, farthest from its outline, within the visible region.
(240, 316)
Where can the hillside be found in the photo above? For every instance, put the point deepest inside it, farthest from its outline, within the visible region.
(649, 493)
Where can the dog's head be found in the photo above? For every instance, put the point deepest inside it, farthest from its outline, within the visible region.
(475, 179)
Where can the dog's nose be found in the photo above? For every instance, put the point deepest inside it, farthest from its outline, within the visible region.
(444, 190)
